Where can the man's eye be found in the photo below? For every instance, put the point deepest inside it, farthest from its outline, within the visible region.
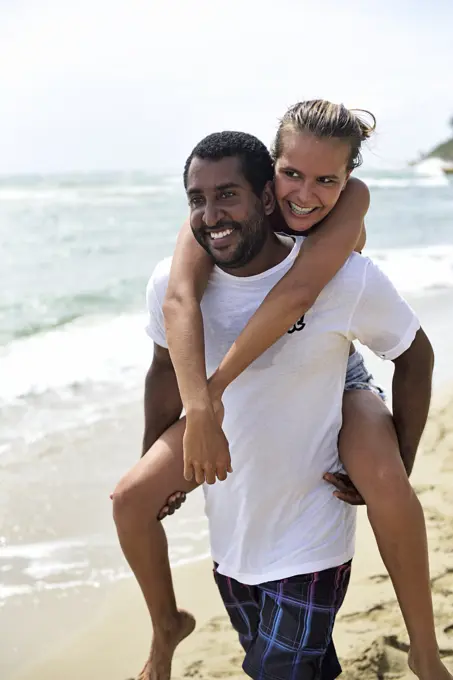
(227, 194)
(325, 180)
(291, 173)
(195, 201)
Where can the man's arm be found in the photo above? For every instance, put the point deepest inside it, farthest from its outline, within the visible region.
(411, 389)
(163, 403)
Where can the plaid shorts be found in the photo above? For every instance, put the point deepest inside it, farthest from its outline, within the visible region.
(285, 627)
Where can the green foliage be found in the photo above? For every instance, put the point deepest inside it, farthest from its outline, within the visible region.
(443, 151)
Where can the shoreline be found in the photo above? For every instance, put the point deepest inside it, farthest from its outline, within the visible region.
(369, 633)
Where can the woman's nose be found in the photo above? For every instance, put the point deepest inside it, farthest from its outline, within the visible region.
(304, 194)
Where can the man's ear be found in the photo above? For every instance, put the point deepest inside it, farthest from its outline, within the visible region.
(268, 198)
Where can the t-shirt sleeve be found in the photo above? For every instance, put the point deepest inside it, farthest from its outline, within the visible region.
(155, 326)
(382, 320)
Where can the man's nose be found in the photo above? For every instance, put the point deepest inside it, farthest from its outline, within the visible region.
(211, 214)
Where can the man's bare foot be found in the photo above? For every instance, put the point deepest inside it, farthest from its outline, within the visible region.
(158, 666)
(434, 671)
(173, 503)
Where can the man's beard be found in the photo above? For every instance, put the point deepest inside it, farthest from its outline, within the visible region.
(252, 236)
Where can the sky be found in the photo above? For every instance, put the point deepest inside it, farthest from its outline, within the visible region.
(122, 85)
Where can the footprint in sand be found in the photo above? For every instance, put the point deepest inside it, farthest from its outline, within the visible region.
(379, 578)
(216, 624)
(385, 659)
(193, 670)
(234, 662)
(359, 615)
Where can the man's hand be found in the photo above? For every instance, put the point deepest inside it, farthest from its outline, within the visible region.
(206, 450)
(346, 490)
(173, 503)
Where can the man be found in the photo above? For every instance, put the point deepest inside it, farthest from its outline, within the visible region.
(281, 542)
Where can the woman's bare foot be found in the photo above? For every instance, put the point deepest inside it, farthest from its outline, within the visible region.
(433, 671)
(158, 666)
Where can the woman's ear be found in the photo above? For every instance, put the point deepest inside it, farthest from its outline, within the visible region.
(268, 198)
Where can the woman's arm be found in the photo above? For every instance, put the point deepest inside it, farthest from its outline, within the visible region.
(203, 435)
(189, 274)
(322, 255)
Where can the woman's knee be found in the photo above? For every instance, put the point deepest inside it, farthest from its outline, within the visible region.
(385, 486)
(391, 480)
(133, 500)
(369, 449)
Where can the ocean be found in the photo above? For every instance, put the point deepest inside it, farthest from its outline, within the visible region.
(76, 253)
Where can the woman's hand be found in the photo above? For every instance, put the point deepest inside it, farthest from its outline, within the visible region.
(206, 449)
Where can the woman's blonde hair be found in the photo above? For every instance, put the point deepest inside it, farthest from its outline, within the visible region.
(321, 118)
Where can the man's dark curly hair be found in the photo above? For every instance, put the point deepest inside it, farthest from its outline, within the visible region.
(255, 159)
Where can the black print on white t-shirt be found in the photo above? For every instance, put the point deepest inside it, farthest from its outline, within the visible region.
(298, 326)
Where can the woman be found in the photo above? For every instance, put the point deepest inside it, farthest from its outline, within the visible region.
(368, 447)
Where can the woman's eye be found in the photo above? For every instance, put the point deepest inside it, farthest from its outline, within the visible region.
(325, 180)
(291, 173)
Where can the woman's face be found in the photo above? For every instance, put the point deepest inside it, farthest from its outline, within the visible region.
(309, 177)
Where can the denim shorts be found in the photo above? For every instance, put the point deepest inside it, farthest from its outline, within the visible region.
(359, 378)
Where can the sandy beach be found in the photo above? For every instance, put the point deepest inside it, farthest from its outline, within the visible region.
(369, 635)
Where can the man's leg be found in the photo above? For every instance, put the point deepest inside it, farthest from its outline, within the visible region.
(294, 637)
(242, 603)
(369, 451)
(137, 500)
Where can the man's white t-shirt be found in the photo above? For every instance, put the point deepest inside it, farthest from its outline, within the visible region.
(275, 516)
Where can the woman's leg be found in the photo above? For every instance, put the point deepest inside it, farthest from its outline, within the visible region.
(369, 451)
(137, 501)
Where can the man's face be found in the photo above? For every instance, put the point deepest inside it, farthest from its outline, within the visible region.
(226, 217)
